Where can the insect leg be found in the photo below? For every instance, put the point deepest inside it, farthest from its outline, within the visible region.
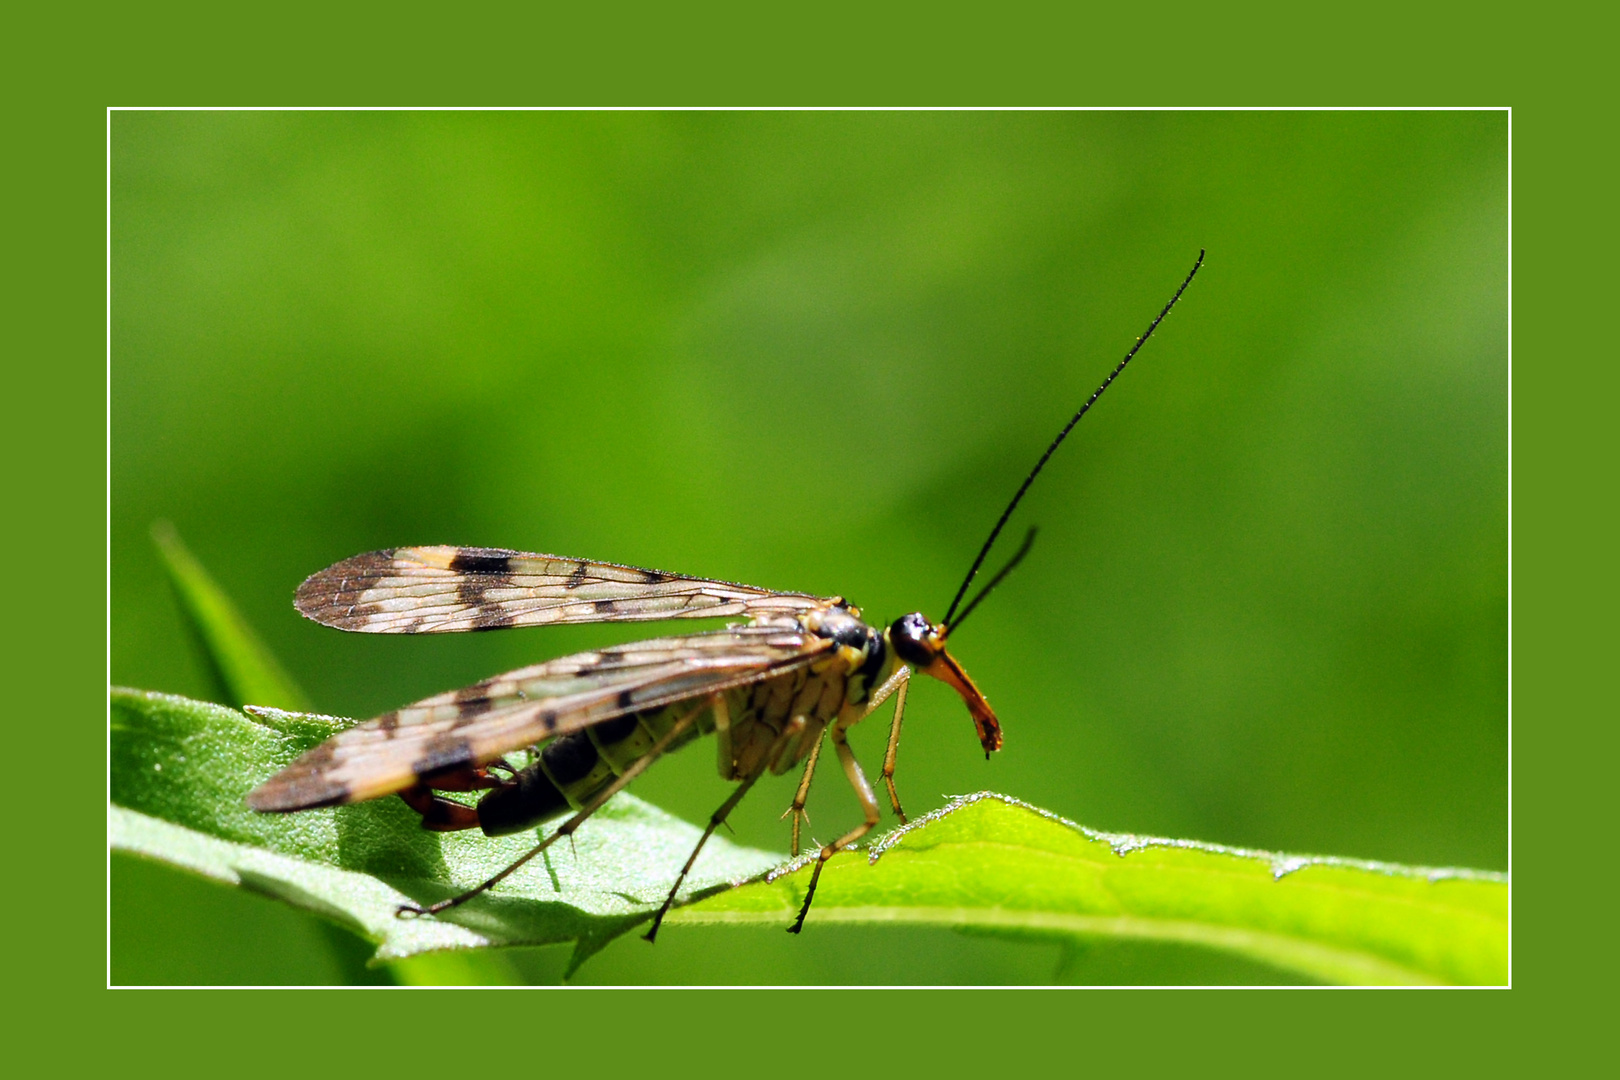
(799, 797)
(898, 682)
(715, 819)
(895, 684)
(863, 792)
(567, 828)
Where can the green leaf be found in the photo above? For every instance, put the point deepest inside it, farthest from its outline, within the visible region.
(246, 671)
(180, 769)
(991, 864)
(984, 864)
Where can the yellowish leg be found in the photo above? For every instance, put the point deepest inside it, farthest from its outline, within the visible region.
(794, 727)
(895, 683)
(863, 792)
(901, 676)
(799, 797)
(567, 828)
(722, 740)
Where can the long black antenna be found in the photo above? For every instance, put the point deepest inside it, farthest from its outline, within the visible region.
(1064, 434)
(1023, 549)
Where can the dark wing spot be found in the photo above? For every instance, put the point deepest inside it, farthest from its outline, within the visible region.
(653, 577)
(475, 694)
(442, 752)
(494, 619)
(577, 578)
(627, 698)
(482, 561)
(605, 606)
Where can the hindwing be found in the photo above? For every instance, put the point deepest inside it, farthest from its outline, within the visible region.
(478, 724)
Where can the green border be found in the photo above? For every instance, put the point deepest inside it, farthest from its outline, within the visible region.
(1365, 55)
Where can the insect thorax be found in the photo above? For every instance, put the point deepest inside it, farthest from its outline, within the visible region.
(862, 650)
(571, 769)
(844, 677)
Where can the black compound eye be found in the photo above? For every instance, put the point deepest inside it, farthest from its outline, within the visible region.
(912, 636)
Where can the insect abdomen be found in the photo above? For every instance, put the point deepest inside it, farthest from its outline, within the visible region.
(573, 768)
(528, 800)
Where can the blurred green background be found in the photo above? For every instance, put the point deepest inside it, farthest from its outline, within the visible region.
(818, 351)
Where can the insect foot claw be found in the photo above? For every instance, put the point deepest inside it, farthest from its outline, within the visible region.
(409, 911)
